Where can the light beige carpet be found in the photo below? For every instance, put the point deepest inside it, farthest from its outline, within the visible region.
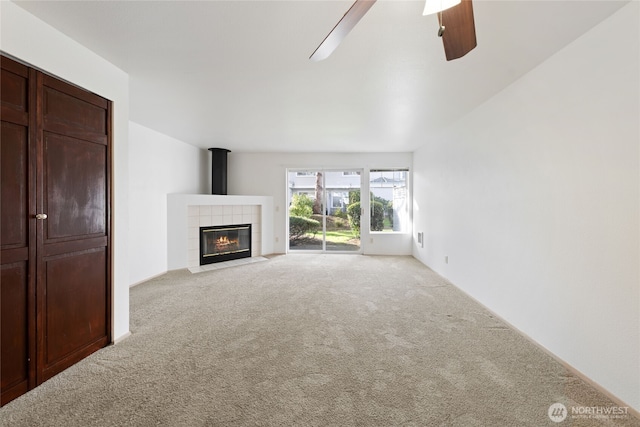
(310, 340)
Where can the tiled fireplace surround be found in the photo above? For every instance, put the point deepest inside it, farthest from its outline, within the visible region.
(188, 212)
(206, 216)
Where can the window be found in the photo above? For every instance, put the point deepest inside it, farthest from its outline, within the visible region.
(309, 194)
(389, 200)
(339, 200)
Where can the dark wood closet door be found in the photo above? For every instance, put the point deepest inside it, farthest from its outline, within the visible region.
(73, 270)
(17, 239)
(55, 198)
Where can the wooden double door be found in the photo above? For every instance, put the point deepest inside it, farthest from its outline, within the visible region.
(55, 283)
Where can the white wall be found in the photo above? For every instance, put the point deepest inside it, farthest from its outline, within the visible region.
(534, 197)
(29, 39)
(264, 174)
(159, 165)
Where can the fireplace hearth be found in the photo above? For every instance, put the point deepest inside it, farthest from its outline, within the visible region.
(224, 243)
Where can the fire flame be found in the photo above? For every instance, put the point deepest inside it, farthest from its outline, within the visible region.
(223, 243)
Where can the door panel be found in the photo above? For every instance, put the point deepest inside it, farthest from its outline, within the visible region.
(338, 188)
(71, 111)
(306, 221)
(14, 82)
(17, 237)
(14, 338)
(75, 307)
(75, 188)
(14, 289)
(73, 247)
(330, 193)
(14, 164)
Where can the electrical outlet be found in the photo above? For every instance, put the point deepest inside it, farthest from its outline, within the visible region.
(446, 259)
(277, 239)
(371, 240)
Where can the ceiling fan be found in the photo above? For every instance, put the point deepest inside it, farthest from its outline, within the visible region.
(457, 27)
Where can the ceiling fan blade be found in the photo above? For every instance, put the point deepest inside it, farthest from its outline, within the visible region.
(342, 28)
(459, 37)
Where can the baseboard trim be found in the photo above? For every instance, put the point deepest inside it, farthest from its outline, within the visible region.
(147, 279)
(615, 399)
(122, 338)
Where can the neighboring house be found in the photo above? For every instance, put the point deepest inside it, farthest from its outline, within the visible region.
(387, 185)
(337, 185)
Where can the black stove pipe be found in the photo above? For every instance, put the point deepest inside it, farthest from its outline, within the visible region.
(219, 170)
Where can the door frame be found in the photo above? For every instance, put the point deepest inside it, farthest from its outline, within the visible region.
(363, 211)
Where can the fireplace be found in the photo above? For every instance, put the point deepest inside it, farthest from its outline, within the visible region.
(224, 243)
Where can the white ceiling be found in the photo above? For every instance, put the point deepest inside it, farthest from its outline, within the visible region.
(236, 74)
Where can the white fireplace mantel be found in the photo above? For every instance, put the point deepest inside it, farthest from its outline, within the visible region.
(178, 222)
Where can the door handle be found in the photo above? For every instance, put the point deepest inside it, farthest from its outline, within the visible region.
(41, 216)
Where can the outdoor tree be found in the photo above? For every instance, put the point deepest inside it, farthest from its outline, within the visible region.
(317, 203)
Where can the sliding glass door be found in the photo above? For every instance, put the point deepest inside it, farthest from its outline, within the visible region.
(342, 219)
(306, 207)
(324, 210)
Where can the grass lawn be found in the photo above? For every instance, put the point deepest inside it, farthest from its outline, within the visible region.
(341, 240)
(341, 236)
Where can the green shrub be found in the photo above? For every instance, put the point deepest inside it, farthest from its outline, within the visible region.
(340, 213)
(301, 205)
(377, 217)
(353, 213)
(300, 226)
